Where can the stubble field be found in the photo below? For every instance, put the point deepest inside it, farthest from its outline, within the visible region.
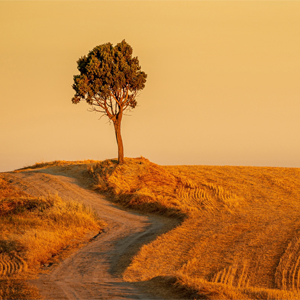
(237, 238)
(239, 235)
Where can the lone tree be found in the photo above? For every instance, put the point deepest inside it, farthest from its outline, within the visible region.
(109, 81)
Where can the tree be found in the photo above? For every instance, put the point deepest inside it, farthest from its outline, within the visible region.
(109, 81)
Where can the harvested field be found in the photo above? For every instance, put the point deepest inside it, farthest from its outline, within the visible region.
(230, 232)
(240, 226)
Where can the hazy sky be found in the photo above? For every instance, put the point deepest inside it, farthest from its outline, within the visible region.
(223, 83)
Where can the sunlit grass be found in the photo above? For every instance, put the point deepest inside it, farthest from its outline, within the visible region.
(17, 289)
(33, 230)
(57, 163)
(239, 233)
(238, 237)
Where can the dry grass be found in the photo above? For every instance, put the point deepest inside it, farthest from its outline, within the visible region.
(57, 163)
(33, 231)
(146, 186)
(17, 289)
(239, 238)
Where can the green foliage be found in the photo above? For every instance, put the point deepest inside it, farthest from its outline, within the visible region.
(109, 78)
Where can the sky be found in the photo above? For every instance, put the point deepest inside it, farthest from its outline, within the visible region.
(222, 89)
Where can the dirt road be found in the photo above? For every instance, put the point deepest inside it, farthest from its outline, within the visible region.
(94, 271)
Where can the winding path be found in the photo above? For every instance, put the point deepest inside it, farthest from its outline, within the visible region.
(94, 271)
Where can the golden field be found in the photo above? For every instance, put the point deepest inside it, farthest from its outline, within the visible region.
(34, 230)
(237, 238)
(239, 231)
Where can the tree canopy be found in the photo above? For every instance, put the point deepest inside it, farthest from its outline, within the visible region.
(109, 81)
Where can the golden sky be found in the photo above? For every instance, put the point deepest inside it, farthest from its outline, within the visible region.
(223, 82)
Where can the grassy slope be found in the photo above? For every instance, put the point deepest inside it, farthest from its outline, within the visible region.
(239, 235)
(33, 231)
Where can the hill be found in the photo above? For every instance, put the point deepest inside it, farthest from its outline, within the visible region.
(238, 232)
(239, 236)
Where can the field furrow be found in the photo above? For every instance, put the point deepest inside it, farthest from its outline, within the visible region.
(11, 264)
(287, 273)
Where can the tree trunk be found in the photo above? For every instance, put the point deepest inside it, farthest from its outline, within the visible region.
(117, 125)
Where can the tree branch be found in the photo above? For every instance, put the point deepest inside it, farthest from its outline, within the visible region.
(112, 94)
(98, 103)
(132, 96)
(101, 111)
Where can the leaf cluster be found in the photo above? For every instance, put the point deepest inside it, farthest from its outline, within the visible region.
(109, 78)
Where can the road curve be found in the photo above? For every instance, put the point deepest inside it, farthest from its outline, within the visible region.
(94, 271)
